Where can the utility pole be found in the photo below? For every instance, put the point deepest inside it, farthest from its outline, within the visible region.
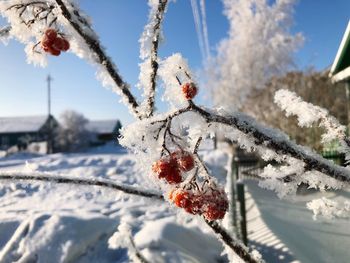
(49, 79)
(49, 132)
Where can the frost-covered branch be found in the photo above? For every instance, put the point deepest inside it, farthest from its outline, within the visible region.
(149, 53)
(44, 12)
(308, 114)
(269, 138)
(275, 140)
(81, 182)
(235, 245)
(329, 209)
(75, 20)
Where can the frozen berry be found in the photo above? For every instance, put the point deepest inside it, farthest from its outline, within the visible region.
(214, 213)
(196, 204)
(168, 169)
(45, 48)
(61, 44)
(160, 168)
(216, 205)
(212, 203)
(66, 45)
(46, 43)
(188, 201)
(186, 162)
(51, 34)
(189, 90)
(182, 199)
(53, 44)
(58, 43)
(53, 51)
(174, 176)
(184, 159)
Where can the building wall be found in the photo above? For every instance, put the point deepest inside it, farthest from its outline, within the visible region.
(20, 139)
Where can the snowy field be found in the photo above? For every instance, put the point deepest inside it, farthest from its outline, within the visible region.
(47, 222)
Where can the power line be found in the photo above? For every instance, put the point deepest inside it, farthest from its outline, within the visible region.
(205, 28)
(200, 21)
(197, 23)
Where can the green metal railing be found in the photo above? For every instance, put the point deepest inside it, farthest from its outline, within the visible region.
(335, 156)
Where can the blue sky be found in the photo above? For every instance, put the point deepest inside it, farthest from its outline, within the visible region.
(119, 24)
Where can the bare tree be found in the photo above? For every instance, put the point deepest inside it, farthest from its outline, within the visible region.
(72, 135)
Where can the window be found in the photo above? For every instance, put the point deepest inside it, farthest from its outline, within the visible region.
(5, 140)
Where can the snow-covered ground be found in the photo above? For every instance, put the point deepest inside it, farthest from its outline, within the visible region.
(296, 236)
(47, 222)
(261, 237)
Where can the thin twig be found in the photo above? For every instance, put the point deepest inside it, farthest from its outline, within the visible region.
(138, 254)
(154, 55)
(201, 162)
(35, 15)
(198, 143)
(178, 80)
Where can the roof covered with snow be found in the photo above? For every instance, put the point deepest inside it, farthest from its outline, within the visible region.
(22, 124)
(35, 123)
(102, 126)
(341, 67)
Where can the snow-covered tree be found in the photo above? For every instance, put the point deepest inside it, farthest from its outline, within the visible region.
(259, 45)
(72, 135)
(157, 138)
(314, 87)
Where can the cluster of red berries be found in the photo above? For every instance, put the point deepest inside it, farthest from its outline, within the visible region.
(171, 167)
(189, 90)
(212, 204)
(54, 44)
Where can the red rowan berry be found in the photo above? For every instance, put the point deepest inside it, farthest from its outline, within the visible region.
(58, 43)
(189, 90)
(214, 213)
(184, 159)
(168, 169)
(53, 44)
(66, 45)
(160, 168)
(51, 34)
(217, 205)
(186, 162)
(182, 199)
(174, 176)
(53, 51)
